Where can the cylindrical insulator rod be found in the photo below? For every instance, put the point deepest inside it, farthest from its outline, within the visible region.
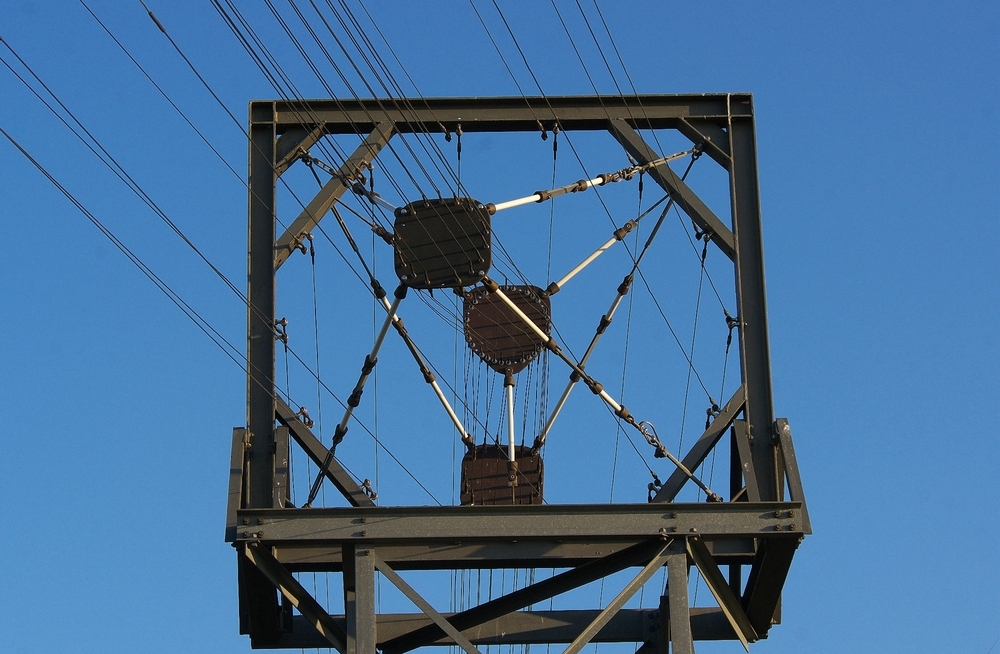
(510, 422)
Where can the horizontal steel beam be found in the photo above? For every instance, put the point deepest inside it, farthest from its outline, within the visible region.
(507, 114)
(302, 556)
(590, 522)
(530, 628)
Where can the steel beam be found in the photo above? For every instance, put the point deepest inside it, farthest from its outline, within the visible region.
(795, 491)
(261, 595)
(755, 356)
(680, 192)
(305, 556)
(583, 522)
(333, 189)
(236, 477)
(310, 609)
(425, 606)
(532, 628)
(741, 436)
(509, 114)
(711, 134)
(716, 582)
(679, 620)
(316, 451)
(529, 595)
(359, 601)
(701, 449)
(602, 618)
(767, 576)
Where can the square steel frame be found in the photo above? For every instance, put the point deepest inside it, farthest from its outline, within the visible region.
(758, 528)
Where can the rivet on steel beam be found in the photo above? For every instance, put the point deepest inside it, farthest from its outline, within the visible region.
(260, 521)
(246, 521)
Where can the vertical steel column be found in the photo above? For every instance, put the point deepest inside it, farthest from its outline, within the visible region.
(755, 358)
(681, 641)
(261, 594)
(359, 599)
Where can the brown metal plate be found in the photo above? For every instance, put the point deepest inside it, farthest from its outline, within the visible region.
(499, 336)
(486, 479)
(443, 243)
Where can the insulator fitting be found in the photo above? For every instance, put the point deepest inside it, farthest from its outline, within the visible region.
(552, 289)
(400, 292)
(338, 434)
(543, 196)
(355, 399)
(377, 289)
(626, 284)
(369, 364)
(605, 321)
(595, 386)
(623, 231)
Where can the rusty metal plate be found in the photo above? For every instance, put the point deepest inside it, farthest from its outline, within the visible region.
(499, 336)
(443, 243)
(486, 478)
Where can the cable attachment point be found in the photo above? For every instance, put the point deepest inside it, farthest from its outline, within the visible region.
(366, 488)
(653, 487)
(623, 231)
(303, 416)
(280, 330)
(698, 150)
(299, 243)
(711, 413)
(732, 323)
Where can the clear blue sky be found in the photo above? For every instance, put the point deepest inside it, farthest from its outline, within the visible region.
(878, 144)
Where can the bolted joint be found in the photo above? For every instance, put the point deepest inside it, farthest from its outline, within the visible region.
(625, 285)
(491, 285)
(623, 231)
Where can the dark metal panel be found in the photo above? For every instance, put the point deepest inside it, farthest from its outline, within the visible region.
(519, 599)
(679, 621)
(714, 137)
(316, 615)
(716, 581)
(506, 114)
(795, 490)
(685, 198)
(755, 357)
(585, 522)
(333, 189)
(236, 477)
(701, 449)
(317, 452)
(767, 576)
